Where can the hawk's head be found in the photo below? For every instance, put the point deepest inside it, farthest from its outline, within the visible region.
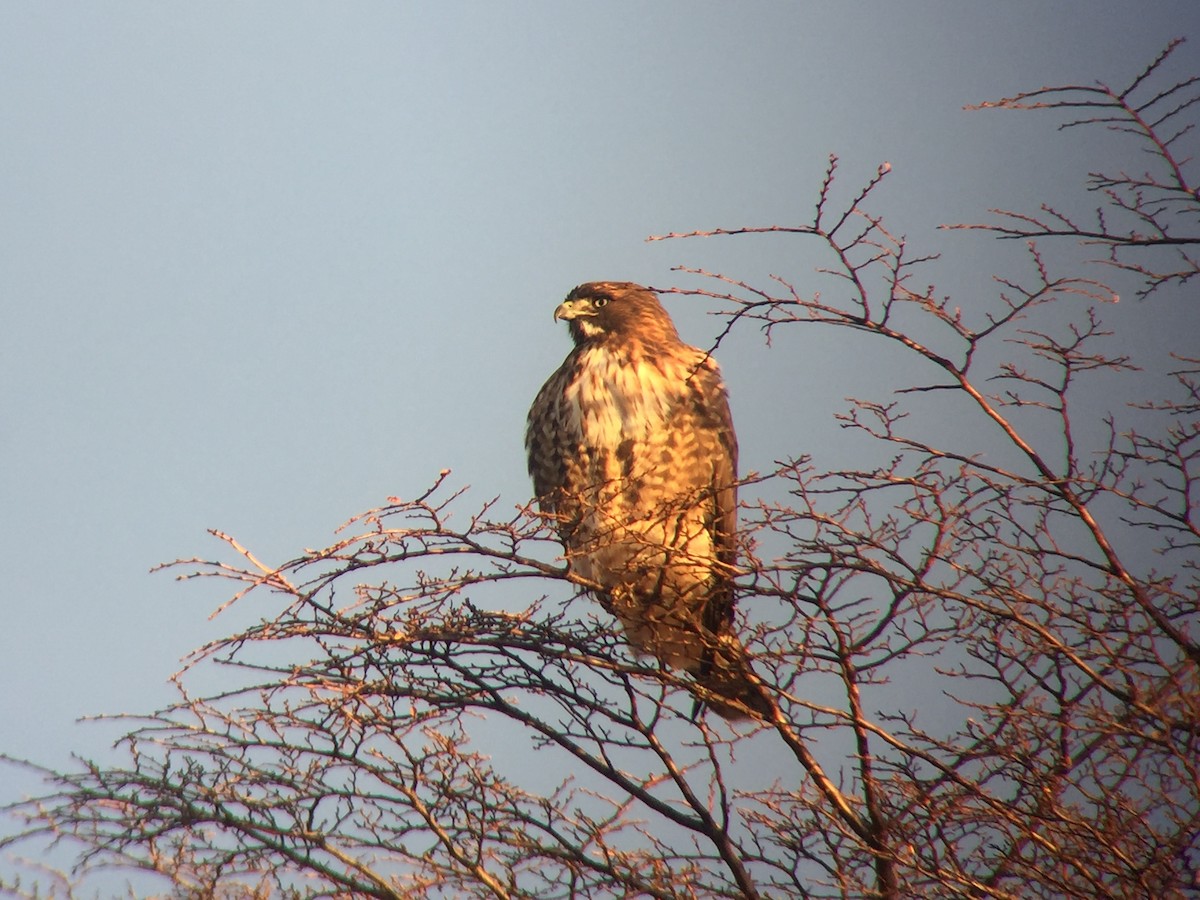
(605, 310)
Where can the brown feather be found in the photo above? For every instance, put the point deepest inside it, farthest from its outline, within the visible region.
(632, 448)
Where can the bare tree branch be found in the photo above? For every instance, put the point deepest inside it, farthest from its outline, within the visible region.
(981, 642)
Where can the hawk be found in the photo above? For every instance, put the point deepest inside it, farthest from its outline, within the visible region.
(632, 452)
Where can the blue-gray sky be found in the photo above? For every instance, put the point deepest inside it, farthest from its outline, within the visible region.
(263, 265)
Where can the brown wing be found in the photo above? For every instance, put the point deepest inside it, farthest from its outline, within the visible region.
(545, 439)
(710, 417)
(552, 436)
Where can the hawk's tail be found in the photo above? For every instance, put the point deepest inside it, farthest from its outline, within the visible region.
(728, 684)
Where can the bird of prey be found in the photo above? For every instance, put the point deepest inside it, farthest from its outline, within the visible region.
(632, 452)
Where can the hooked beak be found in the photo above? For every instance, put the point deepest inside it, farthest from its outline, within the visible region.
(568, 310)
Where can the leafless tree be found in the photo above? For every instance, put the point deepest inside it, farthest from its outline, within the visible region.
(1146, 222)
(983, 650)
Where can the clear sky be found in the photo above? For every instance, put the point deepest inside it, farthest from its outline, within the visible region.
(263, 265)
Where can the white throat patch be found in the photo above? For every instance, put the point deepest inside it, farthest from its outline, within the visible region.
(588, 327)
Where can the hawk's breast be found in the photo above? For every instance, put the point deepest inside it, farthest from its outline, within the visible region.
(615, 398)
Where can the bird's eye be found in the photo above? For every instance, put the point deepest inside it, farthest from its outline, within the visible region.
(599, 302)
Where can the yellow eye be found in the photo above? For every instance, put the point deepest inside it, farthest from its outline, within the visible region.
(599, 302)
